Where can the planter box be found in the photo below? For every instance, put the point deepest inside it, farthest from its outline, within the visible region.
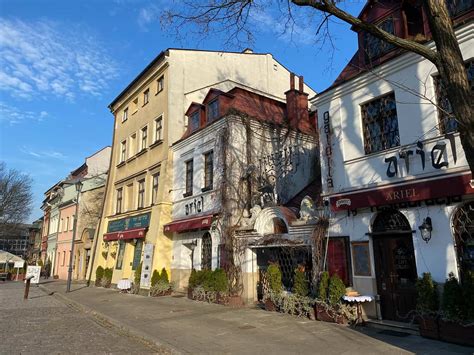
(429, 327)
(327, 315)
(270, 306)
(235, 301)
(456, 333)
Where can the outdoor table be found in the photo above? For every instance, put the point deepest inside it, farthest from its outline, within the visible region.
(358, 300)
(124, 284)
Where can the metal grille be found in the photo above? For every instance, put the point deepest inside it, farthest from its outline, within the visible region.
(206, 254)
(463, 226)
(380, 122)
(390, 220)
(447, 121)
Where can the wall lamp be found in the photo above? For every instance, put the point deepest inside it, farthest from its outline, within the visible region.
(425, 229)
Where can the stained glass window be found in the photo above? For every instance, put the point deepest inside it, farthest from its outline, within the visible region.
(206, 252)
(380, 124)
(375, 47)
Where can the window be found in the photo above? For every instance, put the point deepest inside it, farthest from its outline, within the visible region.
(159, 129)
(457, 7)
(120, 253)
(125, 114)
(361, 259)
(194, 120)
(380, 124)
(463, 225)
(118, 205)
(133, 145)
(160, 84)
(123, 151)
(66, 226)
(154, 191)
(208, 170)
(213, 110)
(375, 47)
(71, 227)
(144, 138)
(413, 16)
(64, 258)
(141, 193)
(135, 105)
(447, 121)
(339, 259)
(189, 178)
(146, 96)
(206, 252)
(61, 224)
(137, 254)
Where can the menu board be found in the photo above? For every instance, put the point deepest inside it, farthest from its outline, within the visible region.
(361, 258)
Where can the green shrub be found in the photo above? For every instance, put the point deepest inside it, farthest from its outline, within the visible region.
(300, 285)
(336, 290)
(99, 274)
(107, 279)
(192, 283)
(40, 262)
(274, 278)
(220, 283)
(453, 298)
(164, 275)
(323, 286)
(155, 277)
(468, 295)
(427, 294)
(137, 275)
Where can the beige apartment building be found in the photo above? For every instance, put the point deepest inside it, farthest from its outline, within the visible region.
(149, 117)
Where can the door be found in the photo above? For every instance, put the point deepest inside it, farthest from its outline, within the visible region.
(396, 275)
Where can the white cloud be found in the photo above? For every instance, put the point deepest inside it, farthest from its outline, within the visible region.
(147, 15)
(45, 58)
(13, 115)
(48, 154)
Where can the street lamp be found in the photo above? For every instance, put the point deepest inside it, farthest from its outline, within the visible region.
(78, 185)
(425, 229)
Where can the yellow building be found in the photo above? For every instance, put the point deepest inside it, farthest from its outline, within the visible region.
(149, 117)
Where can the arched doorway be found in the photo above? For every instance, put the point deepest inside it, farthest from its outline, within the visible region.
(206, 252)
(463, 228)
(395, 267)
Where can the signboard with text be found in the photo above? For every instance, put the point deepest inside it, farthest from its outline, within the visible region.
(123, 224)
(33, 271)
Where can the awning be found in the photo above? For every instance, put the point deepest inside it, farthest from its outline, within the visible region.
(124, 235)
(189, 224)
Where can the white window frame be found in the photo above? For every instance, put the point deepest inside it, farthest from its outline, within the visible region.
(123, 151)
(144, 138)
(125, 114)
(159, 137)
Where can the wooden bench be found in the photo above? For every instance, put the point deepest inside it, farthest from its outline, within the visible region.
(3, 276)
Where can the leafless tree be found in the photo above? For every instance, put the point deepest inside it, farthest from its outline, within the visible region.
(232, 17)
(15, 198)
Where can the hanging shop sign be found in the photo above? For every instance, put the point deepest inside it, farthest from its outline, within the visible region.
(444, 190)
(438, 155)
(327, 150)
(124, 224)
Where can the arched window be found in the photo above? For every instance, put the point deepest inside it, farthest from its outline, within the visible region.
(206, 252)
(463, 227)
(390, 220)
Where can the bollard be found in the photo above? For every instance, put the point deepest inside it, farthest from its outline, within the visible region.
(27, 287)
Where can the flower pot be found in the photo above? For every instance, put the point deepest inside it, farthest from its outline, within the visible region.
(324, 314)
(429, 327)
(456, 333)
(235, 301)
(269, 305)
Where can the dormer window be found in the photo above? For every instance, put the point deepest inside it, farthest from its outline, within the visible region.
(375, 47)
(413, 15)
(213, 110)
(194, 120)
(457, 7)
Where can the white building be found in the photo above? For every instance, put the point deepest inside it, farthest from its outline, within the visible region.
(243, 151)
(392, 163)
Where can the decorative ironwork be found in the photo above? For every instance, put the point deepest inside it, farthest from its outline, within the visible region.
(206, 252)
(380, 122)
(463, 227)
(447, 121)
(390, 220)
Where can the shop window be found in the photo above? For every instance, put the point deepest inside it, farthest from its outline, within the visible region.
(447, 121)
(213, 110)
(208, 170)
(206, 252)
(338, 259)
(380, 124)
(137, 254)
(189, 178)
(120, 253)
(413, 15)
(375, 47)
(463, 227)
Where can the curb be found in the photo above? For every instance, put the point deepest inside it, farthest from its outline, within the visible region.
(133, 332)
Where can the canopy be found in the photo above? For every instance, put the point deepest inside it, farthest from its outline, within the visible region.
(6, 257)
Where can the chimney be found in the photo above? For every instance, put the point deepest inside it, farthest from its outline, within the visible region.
(297, 105)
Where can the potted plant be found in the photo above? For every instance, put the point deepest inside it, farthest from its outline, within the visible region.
(331, 309)
(321, 306)
(427, 306)
(274, 285)
(99, 274)
(456, 324)
(107, 278)
(220, 285)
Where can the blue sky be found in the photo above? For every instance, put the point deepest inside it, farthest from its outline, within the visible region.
(63, 62)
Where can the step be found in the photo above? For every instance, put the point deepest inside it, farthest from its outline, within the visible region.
(401, 327)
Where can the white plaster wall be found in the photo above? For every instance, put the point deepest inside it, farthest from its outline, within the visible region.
(98, 163)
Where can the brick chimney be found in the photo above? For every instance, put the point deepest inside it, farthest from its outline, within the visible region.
(297, 105)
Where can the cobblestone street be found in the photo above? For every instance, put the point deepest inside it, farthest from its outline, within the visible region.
(44, 324)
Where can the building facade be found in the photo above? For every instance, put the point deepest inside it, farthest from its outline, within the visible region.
(149, 117)
(393, 169)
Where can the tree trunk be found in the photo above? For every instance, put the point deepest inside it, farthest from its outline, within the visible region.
(452, 71)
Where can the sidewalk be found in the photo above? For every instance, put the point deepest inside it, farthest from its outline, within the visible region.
(195, 327)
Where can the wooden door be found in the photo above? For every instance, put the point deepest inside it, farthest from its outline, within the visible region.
(396, 275)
